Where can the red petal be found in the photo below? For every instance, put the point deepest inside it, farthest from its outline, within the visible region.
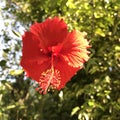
(34, 69)
(33, 60)
(66, 72)
(50, 32)
(30, 46)
(74, 50)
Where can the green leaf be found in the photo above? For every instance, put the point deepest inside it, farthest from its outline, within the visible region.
(16, 33)
(2, 63)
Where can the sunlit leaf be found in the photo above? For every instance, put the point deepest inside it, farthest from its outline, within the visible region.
(16, 72)
(100, 32)
(74, 110)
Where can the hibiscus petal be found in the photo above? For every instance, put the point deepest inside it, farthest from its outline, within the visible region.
(30, 45)
(33, 69)
(66, 72)
(50, 32)
(33, 60)
(74, 50)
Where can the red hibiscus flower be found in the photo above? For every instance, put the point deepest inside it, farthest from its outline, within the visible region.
(51, 55)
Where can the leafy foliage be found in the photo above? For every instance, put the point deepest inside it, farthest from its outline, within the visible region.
(93, 93)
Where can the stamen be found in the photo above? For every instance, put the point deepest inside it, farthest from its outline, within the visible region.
(49, 79)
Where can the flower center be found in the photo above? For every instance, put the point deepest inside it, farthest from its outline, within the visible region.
(49, 54)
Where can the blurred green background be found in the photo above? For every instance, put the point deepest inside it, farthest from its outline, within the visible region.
(93, 93)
